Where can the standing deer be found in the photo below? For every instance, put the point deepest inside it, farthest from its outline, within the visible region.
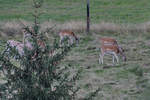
(108, 41)
(27, 42)
(27, 39)
(68, 34)
(41, 44)
(110, 46)
(18, 46)
(12, 44)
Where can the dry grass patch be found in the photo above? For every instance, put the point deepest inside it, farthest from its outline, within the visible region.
(12, 28)
(105, 27)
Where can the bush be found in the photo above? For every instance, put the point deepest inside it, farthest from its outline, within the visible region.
(37, 76)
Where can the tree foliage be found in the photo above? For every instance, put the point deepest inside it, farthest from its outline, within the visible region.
(36, 76)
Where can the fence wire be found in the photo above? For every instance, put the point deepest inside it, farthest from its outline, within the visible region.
(99, 11)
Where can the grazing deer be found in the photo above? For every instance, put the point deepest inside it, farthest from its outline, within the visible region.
(28, 40)
(18, 46)
(108, 41)
(27, 37)
(110, 46)
(40, 43)
(68, 34)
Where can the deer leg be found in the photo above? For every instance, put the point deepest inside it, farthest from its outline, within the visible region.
(124, 57)
(113, 59)
(115, 55)
(101, 58)
(71, 40)
(61, 41)
(77, 41)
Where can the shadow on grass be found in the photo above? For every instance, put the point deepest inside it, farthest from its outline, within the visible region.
(107, 66)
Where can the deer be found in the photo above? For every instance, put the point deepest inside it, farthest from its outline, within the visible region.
(27, 42)
(18, 46)
(110, 46)
(107, 41)
(12, 44)
(41, 44)
(68, 34)
(27, 36)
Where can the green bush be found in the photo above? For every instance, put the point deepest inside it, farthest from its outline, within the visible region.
(37, 76)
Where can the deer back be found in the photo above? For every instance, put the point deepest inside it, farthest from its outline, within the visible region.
(108, 41)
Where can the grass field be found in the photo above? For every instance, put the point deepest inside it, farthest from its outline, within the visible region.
(124, 81)
(122, 11)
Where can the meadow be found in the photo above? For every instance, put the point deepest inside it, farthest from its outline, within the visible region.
(127, 21)
(65, 10)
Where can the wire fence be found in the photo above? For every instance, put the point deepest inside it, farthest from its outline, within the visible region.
(72, 14)
(76, 10)
(122, 14)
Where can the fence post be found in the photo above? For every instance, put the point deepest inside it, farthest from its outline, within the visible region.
(88, 17)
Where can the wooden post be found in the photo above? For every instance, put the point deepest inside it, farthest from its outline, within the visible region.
(88, 17)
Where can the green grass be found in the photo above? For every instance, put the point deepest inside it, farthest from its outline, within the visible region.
(120, 11)
(124, 81)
